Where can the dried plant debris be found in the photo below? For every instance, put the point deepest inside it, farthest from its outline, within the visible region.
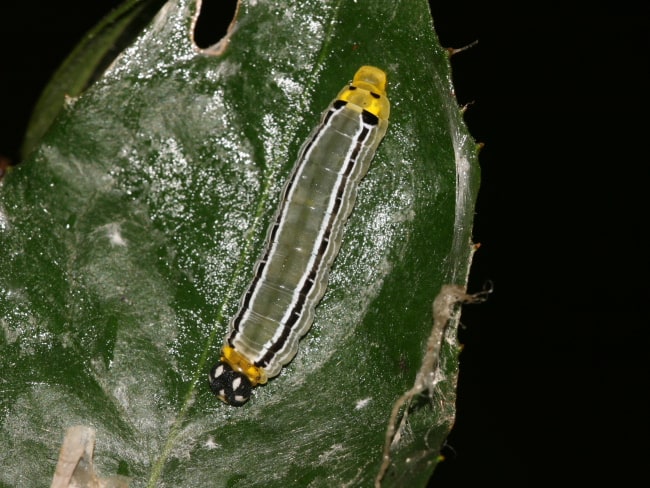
(445, 308)
(75, 467)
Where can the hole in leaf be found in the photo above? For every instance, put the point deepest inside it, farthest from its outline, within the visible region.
(212, 24)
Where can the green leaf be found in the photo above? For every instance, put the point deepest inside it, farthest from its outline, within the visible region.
(131, 232)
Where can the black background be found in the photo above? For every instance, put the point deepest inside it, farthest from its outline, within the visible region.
(553, 380)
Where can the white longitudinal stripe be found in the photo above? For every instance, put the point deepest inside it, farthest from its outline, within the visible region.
(327, 223)
(281, 220)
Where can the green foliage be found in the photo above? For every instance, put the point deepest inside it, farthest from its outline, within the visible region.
(132, 230)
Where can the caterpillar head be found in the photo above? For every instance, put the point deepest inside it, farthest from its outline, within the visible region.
(231, 387)
(368, 91)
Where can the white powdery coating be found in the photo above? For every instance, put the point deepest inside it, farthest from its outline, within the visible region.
(276, 139)
(4, 221)
(305, 21)
(334, 452)
(363, 403)
(21, 326)
(168, 183)
(164, 36)
(290, 87)
(113, 232)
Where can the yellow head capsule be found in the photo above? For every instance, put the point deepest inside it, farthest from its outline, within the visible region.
(368, 91)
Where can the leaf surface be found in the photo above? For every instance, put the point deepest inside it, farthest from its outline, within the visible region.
(131, 232)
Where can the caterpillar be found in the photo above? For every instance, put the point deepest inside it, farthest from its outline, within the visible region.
(303, 240)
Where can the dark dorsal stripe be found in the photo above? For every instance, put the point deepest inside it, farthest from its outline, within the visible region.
(322, 250)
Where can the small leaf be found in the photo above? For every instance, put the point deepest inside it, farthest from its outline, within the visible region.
(86, 63)
(131, 232)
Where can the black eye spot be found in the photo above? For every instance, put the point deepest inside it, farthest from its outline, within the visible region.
(352, 87)
(375, 95)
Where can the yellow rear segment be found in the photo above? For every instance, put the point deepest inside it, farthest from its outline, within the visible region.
(237, 362)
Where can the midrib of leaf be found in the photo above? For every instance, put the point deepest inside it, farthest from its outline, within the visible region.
(265, 194)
